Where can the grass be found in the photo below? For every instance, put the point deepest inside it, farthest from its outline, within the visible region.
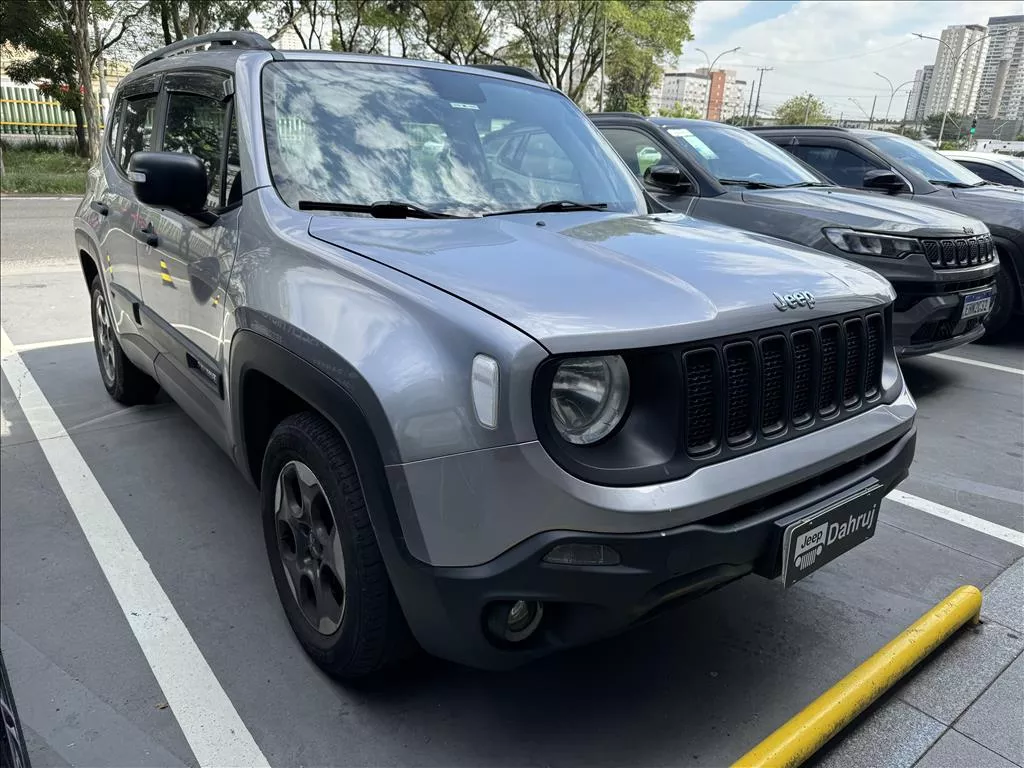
(41, 168)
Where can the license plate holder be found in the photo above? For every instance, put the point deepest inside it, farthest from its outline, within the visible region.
(815, 537)
(976, 304)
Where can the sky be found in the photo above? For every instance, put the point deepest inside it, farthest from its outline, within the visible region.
(830, 48)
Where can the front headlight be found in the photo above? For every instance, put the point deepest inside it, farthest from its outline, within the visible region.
(871, 244)
(589, 396)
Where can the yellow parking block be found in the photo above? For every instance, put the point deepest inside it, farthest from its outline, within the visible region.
(823, 718)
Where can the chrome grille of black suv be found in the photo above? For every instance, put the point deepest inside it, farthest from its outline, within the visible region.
(959, 252)
(759, 387)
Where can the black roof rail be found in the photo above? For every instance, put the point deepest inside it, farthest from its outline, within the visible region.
(228, 39)
(803, 127)
(505, 69)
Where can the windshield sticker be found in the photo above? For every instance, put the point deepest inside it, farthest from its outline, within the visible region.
(460, 105)
(694, 141)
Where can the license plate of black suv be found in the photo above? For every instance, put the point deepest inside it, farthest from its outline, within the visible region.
(977, 303)
(822, 534)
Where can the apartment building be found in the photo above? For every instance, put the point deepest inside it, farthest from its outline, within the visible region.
(1001, 85)
(956, 73)
(919, 95)
(690, 89)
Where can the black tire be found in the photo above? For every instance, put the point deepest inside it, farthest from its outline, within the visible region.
(371, 633)
(1005, 299)
(123, 381)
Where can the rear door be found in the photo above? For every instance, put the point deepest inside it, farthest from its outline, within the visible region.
(131, 126)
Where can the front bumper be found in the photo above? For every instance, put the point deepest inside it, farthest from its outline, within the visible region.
(930, 322)
(446, 607)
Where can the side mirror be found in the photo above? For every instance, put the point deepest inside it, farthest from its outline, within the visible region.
(667, 177)
(169, 180)
(887, 181)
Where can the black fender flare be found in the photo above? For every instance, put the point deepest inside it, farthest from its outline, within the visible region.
(339, 393)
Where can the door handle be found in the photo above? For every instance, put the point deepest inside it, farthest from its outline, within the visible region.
(100, 208)
(150, 235)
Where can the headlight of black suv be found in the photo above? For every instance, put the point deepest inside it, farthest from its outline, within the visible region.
(871, 243)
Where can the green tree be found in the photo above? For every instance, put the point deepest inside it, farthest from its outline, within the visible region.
(802, 110)
(678, 110)
(631, 74)
(66, 39)
(954, 122)
(565, 38)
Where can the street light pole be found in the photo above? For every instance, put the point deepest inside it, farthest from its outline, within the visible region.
(760, 79)
(892, 92)
(956, 62)
(711, 65)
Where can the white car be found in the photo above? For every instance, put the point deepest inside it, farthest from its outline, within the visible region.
(999, 169)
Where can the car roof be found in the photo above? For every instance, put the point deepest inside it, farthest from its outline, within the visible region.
(225, 48)
(995, 157)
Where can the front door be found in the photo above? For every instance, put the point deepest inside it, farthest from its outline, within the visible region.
(184, 262)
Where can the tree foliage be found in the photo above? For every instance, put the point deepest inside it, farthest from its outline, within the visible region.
(678, 110)
(802, 110)
(954, 122)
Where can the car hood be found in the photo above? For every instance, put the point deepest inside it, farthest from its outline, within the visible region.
(1001, 208)
(862, 210)
(591, 281)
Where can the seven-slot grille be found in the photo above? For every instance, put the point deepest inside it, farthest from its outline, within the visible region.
(959, 252)
(759, 387)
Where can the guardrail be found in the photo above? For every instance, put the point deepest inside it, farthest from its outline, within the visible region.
(27, 112)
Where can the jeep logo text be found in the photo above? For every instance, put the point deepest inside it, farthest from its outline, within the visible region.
(794, 300)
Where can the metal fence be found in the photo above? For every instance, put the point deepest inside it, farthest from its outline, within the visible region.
(25, 111)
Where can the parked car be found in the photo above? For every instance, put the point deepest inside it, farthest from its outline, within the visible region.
(495, 401)
(13, 749)
(898, 167)
(991, 166)
(724, 174)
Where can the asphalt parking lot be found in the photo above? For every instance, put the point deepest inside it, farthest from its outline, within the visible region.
(699, 686)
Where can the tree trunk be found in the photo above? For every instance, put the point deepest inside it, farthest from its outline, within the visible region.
(80, 35)
(80, 135)
(165, 23)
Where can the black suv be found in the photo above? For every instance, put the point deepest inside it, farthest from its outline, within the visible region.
(888, 164)
(727, 175)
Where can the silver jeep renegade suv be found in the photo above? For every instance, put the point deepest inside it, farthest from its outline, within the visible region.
(494, 403)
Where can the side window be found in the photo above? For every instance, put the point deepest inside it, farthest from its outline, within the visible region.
(991, 173)
(113, 125)
(638, 150)
(842, 166)
(138, 128)
(195, 125)
(542, 158)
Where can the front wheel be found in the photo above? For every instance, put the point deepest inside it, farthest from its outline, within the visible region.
(122, 379)
(323, 553)
(1002, 310)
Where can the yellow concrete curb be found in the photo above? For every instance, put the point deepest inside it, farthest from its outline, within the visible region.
(819, 721)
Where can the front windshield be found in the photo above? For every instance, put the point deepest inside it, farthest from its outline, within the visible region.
(450, 142)
(738, 155)
(934, 167)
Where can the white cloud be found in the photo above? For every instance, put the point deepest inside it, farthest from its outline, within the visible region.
(710, 12)
(833, 49)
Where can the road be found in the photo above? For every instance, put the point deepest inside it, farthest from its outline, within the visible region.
(698, 686)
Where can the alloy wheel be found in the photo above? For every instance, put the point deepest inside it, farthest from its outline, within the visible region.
(104, 336)
(309, 544)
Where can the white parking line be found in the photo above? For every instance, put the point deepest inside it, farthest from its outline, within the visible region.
(955, 516)
(208, 719)
(54, 343)
(979, 363)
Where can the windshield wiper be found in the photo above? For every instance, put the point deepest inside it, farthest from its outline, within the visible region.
(807, 184)
(953, 184)
(749, 183)
(555, 206)
(382, 209)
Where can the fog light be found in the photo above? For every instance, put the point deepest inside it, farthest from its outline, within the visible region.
(514, 622)
(582, 554)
